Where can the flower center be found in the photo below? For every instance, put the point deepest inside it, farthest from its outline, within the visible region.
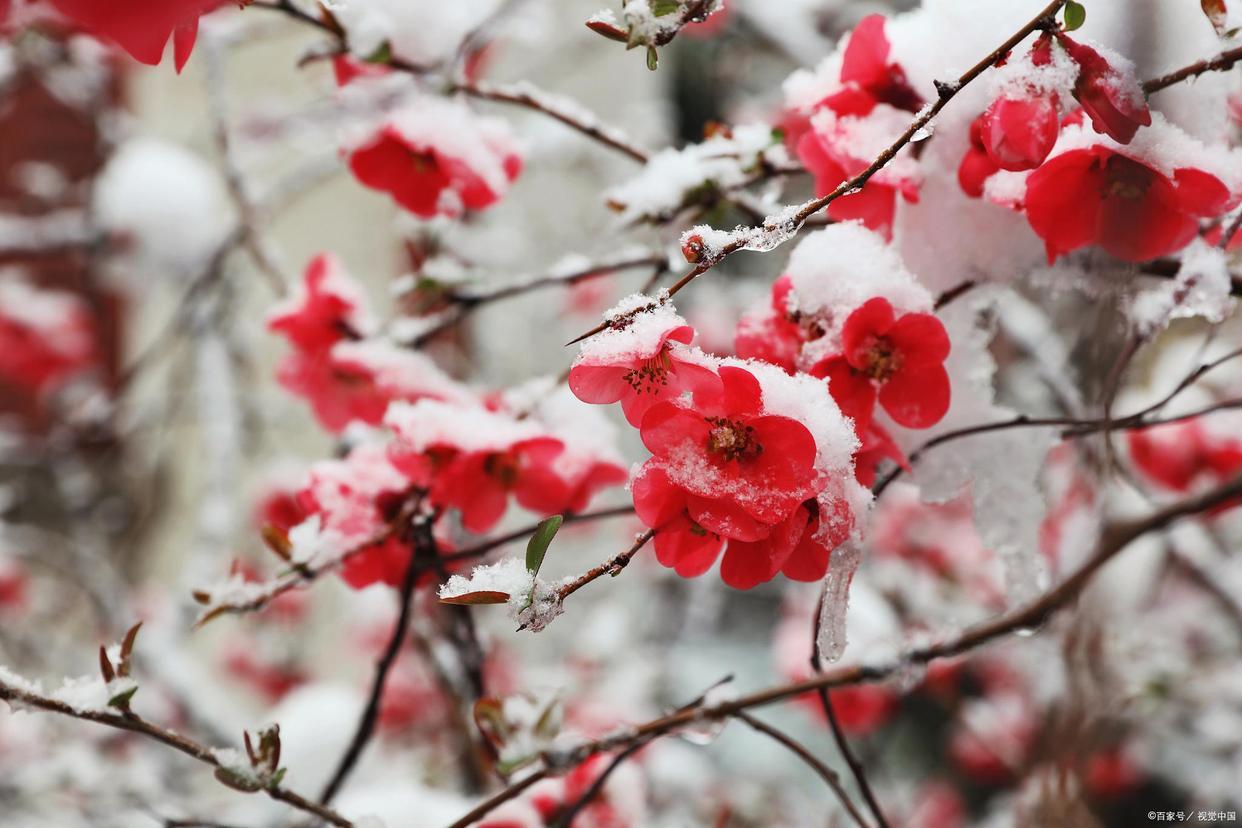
(424, 162)
(650, 375)
(502, 467)
(732, 439)
(1126, 179)
(882, 360)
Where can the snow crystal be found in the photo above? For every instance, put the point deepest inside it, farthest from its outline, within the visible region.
(83, 694)
(532, 602)
(670, 177)
(401, 372)
(631, 335)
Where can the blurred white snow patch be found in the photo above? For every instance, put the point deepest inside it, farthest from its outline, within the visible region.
(169, 203)
(317, 722)
(1201, 288)
(393, 800)
(422, 33)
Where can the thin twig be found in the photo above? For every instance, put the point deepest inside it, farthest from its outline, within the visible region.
(132, 723)
(1029, 617)
(826, 773)
(370, 714)
(566, 819)
(1222, 62)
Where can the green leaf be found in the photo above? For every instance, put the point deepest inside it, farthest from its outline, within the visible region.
(381, 55)
(474, 598)
(653, 58)
(662, 7)
(121, 700)
(537, 546)
(1075, 16)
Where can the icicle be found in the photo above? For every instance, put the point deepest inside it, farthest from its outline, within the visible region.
(831, 638)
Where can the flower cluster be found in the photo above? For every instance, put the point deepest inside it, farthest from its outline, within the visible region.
(846, 309)
(1106, 172)
(450, 448)
(840, 118)
(743, 453)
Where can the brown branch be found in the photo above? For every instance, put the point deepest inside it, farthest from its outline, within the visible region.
(303, 577)
(612, 566)
(370, 713)
(1029, 617)
(496, 800)
(826, 773)
(132, 723)
(838, 734)
(1222, 62)
(798, 217)
(465, 301)
(566, 819)
(569, 113)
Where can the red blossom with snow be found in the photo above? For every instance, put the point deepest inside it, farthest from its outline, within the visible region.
(141, 27)
(656, 369)
(831, 152)
(866, 67)
(1185, 455)
(46, 336)
(438, 158)
(898, 361)
(1134, 211)
(775, 334)
(1108, 92)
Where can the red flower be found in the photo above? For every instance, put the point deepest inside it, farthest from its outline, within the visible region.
(640, 377)
(877, 447)
(977, 164)
(1136, 213)
(828, 152)
(438, 159)
(328, 307)
(1111, 97)
(1180, 455)
(754, 466)
(865, 64)
(478, 483)
(1018, 133)
(900, 361)
(681, 543)
(774, 335)
(46, 336)
(798, 547)
(141, 27)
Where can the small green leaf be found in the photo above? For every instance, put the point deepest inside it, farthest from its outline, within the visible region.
(660, 8)
(1075, 15)
(537, 546)
(121, 700)
(653, 58)
(381, 55)
(473, 598)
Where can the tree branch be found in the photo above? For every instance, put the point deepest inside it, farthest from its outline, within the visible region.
(132, 723)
